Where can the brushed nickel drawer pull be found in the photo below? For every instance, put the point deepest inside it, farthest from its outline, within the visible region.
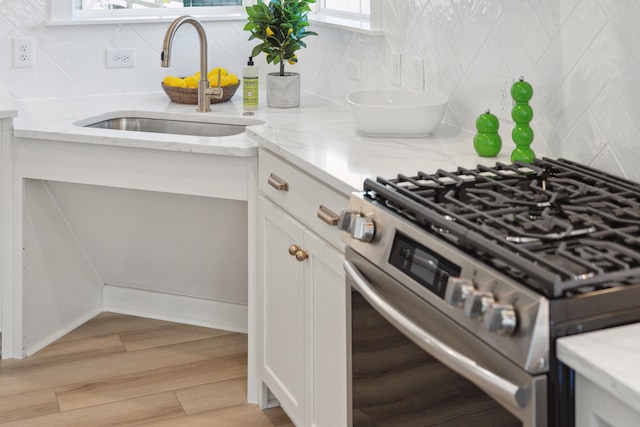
(327, 215)
(278, 183)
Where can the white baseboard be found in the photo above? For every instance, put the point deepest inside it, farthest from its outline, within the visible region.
(176, 308)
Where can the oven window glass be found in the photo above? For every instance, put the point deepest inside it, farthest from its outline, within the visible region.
(395, 383)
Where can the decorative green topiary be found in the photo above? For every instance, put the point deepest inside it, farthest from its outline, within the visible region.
(281, 25)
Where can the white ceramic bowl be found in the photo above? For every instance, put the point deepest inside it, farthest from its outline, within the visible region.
(397, 113)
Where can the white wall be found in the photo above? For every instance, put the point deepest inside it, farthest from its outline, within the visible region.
(582, 57)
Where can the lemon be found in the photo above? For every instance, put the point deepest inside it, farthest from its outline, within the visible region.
(197, 75)
(167, 80)
(214, 71)
(177, 82)
(213, 80)
(191, 81)
(232, 79)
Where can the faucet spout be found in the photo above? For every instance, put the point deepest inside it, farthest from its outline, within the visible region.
(204, 91)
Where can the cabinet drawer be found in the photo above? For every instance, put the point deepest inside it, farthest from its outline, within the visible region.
(303, 197)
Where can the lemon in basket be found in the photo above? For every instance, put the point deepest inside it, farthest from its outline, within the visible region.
(191, 81)
(214, 72)
(174, 81)
(232, 79)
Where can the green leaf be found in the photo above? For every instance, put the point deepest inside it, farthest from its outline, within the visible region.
(257, 49)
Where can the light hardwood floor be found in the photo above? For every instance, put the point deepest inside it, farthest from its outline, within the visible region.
(118, 370)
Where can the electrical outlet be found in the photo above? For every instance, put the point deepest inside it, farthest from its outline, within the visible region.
(506, 103)
(396, 69)
(353, 70)
(497, 97)
(24, 53)
(418, 73)
(121, 58)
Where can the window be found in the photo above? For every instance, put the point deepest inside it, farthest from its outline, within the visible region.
(352, 7)
(110, 11)
(150, 4)
(359, 15)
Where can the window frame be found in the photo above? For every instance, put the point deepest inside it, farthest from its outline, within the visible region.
(62, 13)
(369, 24)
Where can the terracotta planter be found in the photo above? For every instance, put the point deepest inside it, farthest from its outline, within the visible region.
(283, 91)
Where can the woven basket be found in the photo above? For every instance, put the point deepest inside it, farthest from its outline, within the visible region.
(188, 95)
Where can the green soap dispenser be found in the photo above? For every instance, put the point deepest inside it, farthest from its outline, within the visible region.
(250, 86)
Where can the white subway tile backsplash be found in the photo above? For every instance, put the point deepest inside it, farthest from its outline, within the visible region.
(581, 56)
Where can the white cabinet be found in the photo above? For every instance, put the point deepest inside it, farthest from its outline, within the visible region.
(301, 296)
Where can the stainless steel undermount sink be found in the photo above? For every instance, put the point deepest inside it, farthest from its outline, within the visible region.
(212, 127)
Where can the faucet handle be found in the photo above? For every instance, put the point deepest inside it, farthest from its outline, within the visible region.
(215, 92)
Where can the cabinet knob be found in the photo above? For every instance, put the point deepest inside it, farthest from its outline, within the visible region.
(278, 183)
(293, 249)
(296, 251)
(302, 255)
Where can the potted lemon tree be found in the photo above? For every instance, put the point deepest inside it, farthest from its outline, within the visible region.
(281, 26)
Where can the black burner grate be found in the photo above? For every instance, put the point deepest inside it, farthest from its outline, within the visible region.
(559, 226)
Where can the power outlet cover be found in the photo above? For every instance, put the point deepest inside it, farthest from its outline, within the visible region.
(121, 58)
(353, 70)
(418, 73)
(24, 52)
(396, 69)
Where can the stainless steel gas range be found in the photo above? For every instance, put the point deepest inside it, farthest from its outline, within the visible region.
(462, 281)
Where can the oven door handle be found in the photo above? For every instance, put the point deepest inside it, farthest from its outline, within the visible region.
(486, 380)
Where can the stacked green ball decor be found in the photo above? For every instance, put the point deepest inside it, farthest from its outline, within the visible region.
(522, 114)
(487, 141)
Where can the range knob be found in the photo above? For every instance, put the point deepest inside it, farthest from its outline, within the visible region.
(346, 219)
(363, 228)
(477, 303)
(457, 291)
(501, 319)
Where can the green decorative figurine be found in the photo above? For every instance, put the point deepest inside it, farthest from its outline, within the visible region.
(487, 141)
(522, 114)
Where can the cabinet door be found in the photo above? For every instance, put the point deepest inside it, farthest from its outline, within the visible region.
(326, 338)
(281, 301)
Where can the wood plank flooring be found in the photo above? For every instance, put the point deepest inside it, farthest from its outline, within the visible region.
(118, 370)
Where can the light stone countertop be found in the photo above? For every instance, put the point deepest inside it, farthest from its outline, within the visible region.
(319, 137)
(609, 358)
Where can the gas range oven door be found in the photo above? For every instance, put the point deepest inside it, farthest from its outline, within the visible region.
(412, 366)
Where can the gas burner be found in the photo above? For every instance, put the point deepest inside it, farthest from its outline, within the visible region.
(544, 223)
